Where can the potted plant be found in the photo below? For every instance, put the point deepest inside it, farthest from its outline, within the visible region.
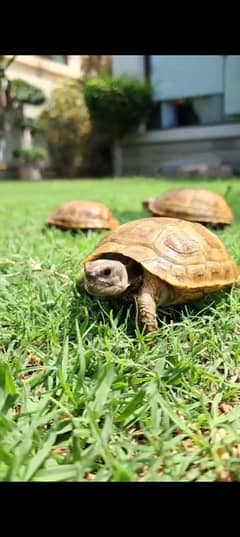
(14, 95)
(30, 161)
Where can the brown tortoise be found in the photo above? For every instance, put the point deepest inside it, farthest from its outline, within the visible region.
(194, 204)
(159, 262)
(83, 215)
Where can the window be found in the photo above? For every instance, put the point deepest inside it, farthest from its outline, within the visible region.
(193, 90)
(58, 59)
(187, 112)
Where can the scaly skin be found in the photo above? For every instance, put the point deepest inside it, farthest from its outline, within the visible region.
(154, 292)
(151, 294)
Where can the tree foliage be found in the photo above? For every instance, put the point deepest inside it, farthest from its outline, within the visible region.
(22, 92)
(66, 125)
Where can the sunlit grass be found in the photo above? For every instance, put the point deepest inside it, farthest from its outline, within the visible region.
(82, 394)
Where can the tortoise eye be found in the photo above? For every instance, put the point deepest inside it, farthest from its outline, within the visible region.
(107, 272)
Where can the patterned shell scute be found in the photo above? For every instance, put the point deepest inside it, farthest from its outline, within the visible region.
(83, 215)
(184, 254)
(194, 204)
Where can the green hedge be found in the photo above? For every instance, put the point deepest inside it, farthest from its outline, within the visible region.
(118, 105)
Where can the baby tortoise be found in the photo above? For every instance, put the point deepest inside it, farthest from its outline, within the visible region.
(158, 262)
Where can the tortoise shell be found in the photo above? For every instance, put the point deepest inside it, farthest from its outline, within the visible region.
(194, 204)
(83, 215)
(184, 254)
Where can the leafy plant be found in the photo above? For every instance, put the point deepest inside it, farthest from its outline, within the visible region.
(66, 125)
(118, 104)
(24, 93)
(32, 124)
(14, 94)
(34, 154)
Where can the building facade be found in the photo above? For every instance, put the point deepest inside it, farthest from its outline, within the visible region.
(195, 120)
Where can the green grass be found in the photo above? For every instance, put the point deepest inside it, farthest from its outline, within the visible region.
(83, 396)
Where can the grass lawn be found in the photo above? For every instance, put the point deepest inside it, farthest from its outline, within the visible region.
(82, 395)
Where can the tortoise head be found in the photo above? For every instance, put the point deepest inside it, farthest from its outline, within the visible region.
(146, 203)
(105, 277)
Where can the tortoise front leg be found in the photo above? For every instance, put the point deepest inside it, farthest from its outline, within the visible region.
(147, 307)
(147, 314)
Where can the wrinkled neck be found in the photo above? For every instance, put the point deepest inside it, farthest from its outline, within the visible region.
(162, 292)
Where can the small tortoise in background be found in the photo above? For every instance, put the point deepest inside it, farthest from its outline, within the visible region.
(158, 262)
(83, 215)
(194, 204)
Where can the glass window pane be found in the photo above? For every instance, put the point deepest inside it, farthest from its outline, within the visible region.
(232, 85)
(59, 59)
(56, 58)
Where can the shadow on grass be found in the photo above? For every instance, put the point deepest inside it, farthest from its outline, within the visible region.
(127, 216)
(90, 313)
(123, 217)
(48, 229)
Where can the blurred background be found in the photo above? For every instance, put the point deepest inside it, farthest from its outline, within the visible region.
(103, 116)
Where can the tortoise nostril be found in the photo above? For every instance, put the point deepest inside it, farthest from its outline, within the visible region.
(90, 275)
(90, 272)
